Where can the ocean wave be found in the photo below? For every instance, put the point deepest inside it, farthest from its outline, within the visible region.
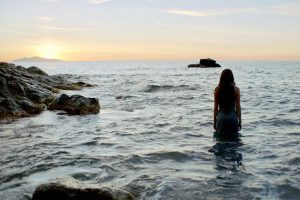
(157, 88)
(156, 157)
(294, 110)
(294, 161)
(89, 143)
(167, 155)
(288, 191)
(84, 176)
(124, 97)
(134, 159)
(276, 122)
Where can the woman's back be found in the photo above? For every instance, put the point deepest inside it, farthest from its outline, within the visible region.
(226, 97)
(227, 109)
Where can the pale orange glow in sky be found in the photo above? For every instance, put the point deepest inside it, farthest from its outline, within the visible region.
(48, 51)
(150, 30)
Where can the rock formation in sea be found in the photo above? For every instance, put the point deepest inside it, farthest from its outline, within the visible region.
(206, 63)
(28, 91)
(73, 190)
(75, 105)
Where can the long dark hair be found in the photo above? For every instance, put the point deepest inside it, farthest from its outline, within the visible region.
(226, 90)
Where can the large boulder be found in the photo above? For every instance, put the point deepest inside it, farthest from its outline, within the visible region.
(72, 190)
(75, 105)
(27, 91)
(36, 70)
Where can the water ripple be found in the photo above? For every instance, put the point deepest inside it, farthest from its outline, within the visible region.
(154, 135)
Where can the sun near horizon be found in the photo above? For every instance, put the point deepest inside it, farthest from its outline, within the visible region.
(95, 30)
(49, 52)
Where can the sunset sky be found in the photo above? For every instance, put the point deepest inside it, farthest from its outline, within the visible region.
(89, 30)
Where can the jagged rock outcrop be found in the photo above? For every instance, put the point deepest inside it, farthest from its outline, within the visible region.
(206, 63)
(72, 190)
(28, 91)
(75, 105)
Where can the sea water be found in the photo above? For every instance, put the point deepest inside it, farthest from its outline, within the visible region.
(154, 134)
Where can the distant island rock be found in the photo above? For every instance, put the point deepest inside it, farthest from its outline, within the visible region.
(206, 63)
(36, 59)
(28, 91)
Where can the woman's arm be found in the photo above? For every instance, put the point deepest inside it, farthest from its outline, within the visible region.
(216, 103)
(238, 105)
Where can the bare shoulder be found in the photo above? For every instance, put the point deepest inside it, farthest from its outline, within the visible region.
(216, 90)
(236, 90)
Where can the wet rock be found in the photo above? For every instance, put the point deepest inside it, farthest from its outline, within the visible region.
(36, 70)
(206, 63)
(75, 105)
(30, 107)
(9, 108)
(72, 190)
(73, 86)
(83, 84)
(27, 91)
(3, 85)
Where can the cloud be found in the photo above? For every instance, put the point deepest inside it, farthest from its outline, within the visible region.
(42, 27)
(63, 28)
(45, 19)
(52, 1)
(162, 24)
(292, 9)
(211, 12)
(18, 32)
(98, 1)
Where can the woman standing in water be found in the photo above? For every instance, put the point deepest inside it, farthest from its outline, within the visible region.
(227, 107)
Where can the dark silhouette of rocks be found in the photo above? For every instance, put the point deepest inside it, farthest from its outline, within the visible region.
(206, 63)
(75, 105)
(28, 91)
(75, 191)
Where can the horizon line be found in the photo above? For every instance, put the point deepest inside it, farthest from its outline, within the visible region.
(150, 60)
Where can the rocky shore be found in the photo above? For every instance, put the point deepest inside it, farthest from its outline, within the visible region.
(28, 91)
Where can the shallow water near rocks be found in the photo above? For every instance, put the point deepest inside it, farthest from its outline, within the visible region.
(156, 138)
